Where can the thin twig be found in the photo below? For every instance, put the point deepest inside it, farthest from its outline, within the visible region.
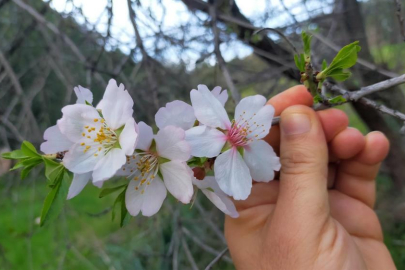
(217, 258)
(400, 18)
(234, 92)
(188, 254)
(359, 96)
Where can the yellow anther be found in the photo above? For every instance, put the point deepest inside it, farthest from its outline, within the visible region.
(82, 144)
(136, 178)
(148, 183)
(89, 137)
(86, 127)
(83, 134)
(95, 155)
(95, 120)
(136, 188)
(143, 191)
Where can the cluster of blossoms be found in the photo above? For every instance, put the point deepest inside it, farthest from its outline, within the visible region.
(197, 147)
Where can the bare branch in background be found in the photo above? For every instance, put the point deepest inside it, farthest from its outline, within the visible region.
(217, 259)
(145, 57)
(400, 18)
(188, 254)
(222, 64)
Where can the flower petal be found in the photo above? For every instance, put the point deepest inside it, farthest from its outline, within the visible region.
(83, 95)
(221, 96)
(116, 105)
(149, 202)
(145, 137)
(171, 144)
(109, 165)
(209, 109)
(78, 183)
(176, 113)
(222, 202)
(177, 178)
(74, 120)
(232, 174)
(261, 160)
(128, 137)
(263, 119)
(205, 141)
(55, 141)
(79, 161)
(248, 106)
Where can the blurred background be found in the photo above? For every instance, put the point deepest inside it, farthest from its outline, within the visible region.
(160, 50)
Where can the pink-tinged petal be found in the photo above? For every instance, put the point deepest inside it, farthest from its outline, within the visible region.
(176, 113)
(221, 96)
(109, 165)
(248, 106)
(78, 183)
(55, 141)
(232, 174)
(149, 202)
(222, 202)
(171, 144)
(74, 120)
(263, 119)
(205, 141)
(77, 160)
(210, 188)
(261, 160)
(128, 137)
(83, 95)
(145, 137)
(117, 105)
(208, 109)
(99, 184)
(177, 177)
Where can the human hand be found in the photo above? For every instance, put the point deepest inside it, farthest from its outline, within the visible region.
(320, 214)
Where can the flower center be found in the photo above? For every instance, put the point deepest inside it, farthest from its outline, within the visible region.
(102, 135)
(244, 130)
(144, 168)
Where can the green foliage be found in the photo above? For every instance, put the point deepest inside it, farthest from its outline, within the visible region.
(307, 46)
(108, 191)
(300, 62)
(317, 98)
(27, 157)
(120, 202)
(337, 100)
(196, 162)
(324, 64)
(346, 58)
(55, 199)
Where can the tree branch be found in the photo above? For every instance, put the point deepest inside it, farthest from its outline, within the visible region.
(234, 92)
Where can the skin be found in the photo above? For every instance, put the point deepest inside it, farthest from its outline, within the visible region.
(319, 215)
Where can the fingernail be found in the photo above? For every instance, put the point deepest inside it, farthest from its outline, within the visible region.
(295, 123)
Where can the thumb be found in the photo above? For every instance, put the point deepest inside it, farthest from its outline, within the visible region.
(304, 161)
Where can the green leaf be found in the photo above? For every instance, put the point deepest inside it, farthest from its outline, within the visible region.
(108, 191)
(340, 75)
(300, 62)
(307, 45)
(53, 203)
(337, 99)
(241, 151)
(124, 212)
(346, 58)
(52, 169)
(28, 149)
(28, 164)
(324, 64)
(317, 98)
(17, 154)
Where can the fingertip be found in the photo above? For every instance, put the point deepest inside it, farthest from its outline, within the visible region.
(333, 122)
(347, 144)
(295, 95)
(376, 148)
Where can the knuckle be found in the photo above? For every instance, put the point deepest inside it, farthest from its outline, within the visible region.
(298, 161)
